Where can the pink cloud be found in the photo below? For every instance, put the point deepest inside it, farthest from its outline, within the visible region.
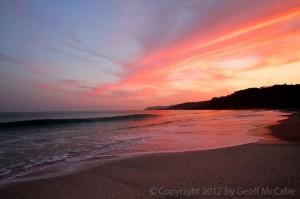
(254, 37)
(188, 51)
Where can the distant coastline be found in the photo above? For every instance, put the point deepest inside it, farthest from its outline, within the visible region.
(273, 97)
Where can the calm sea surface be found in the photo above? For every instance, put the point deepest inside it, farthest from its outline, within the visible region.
(34, 141)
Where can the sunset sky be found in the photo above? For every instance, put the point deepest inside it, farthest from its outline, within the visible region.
(58, 55)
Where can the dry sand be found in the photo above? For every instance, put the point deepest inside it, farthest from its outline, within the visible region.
(251, 171)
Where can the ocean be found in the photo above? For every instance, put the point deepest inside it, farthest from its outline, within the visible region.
(31, 142)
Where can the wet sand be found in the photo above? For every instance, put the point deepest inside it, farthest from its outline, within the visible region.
(288, 129)
(247, 171)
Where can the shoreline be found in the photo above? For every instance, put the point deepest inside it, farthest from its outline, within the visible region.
(288, 129)
(283, 131)
(181, 140)
(246, 166)
(134, 176)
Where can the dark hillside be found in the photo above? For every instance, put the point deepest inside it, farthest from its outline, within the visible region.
(273, 97)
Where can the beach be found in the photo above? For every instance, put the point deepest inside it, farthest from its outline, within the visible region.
(256, 170)
(138, 99)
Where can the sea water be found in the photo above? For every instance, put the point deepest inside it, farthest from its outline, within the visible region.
(34, 141)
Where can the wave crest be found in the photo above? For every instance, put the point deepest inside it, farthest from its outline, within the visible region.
(52, 122)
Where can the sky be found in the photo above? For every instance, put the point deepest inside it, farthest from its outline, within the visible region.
(61, 55)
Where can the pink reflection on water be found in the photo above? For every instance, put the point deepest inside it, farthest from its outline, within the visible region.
(201, 130)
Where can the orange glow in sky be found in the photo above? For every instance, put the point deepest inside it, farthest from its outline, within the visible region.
(169, 54)
(259, 53)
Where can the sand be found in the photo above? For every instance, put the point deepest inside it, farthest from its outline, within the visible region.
(247, 171)
(288, 129)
